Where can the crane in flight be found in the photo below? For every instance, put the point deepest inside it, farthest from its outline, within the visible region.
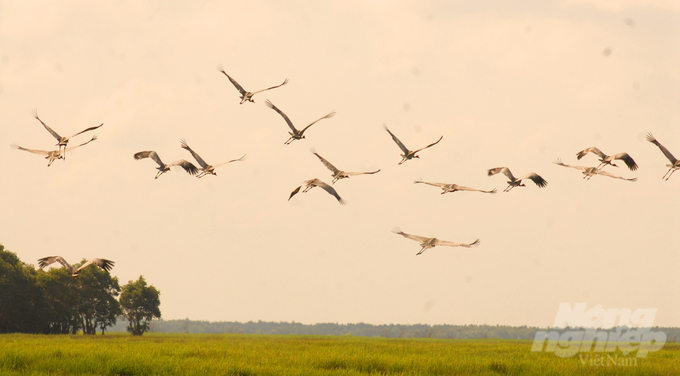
(102, 263)
(675, 163)
(162, 167)
(52, 155)
(62, 141)
(426, 243)
(607, 159)
(446, 188)
(515, 182)
(309, 184)
(295, 134)
(247, 95)
(408, 154)
(339, 174)
(588, 172)
(206, 169)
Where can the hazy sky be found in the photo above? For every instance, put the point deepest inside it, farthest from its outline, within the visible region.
(514, 84)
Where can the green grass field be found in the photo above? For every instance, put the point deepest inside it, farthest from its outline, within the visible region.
(233, 354)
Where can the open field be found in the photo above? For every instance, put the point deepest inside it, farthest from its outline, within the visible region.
(232, 354)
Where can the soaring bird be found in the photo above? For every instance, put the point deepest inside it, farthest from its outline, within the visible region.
(52, 155)
(588, 172)
(675, 164)
(408, 154)
(309, 184)
(607, 159)
(162, 167)
(295, 134)
(426, 243)
(102, 263)
(206, 169)
(62, 141)
(514, 182)
(339, 174)
(446, 188)
(247, 95)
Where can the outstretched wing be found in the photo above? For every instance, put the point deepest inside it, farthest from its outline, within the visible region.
(665, 151)
(186, 165)
(627, 159)
(149, 154)
(290, 124)
(330, 115)
(83, 144)
(417, 238)
(504, 170)
(593, 150)
(432, 144)
(55, 134)
(540, 182)
(440, 185)
(605, 173)
(269, 88)
(401, 146)
(34, 151)
(326, 163)
(102, 263)
(330, 190)
(86, 130)
(362, 173)
(45, 261)
(453, 244)
(233, 160)
(463, 188)
(558, 162)
(238, 87)
(196, 156)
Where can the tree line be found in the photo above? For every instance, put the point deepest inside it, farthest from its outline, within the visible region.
(362, 329)
(54, 302)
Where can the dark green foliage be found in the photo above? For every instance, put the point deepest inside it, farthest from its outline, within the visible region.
(53, 302)
(140, 304)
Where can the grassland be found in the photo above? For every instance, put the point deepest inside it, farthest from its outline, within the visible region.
(230, 354)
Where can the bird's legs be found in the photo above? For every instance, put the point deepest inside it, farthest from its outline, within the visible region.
(423, 249)
(672, 170)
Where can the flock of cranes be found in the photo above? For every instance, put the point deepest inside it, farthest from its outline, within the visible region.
(205, 169)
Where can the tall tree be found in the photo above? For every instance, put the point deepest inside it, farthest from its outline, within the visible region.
(58, 313)
(97, 304)
(140, 304)
(19, 295)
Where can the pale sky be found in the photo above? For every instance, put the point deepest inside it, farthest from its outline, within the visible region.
(514, 84)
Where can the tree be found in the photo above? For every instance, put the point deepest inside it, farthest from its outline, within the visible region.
(97, 306)
(139, 304)
(19, 295)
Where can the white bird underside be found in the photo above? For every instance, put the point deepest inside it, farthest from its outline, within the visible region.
(408, 154)
(339, 174)
(162, 167)
(309, 184)
(453, 187)
(426, 243)
(675, 163)
(514, 182)
(206, 169)
(102, 263)
(607, 159)
(588, 172)
(52, 155)
(247, 95)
